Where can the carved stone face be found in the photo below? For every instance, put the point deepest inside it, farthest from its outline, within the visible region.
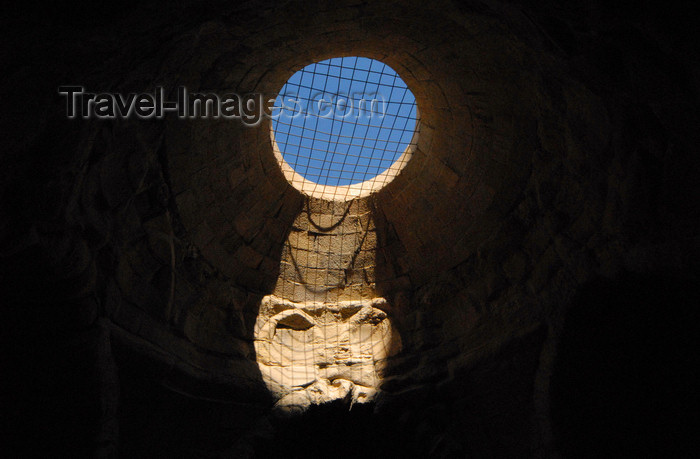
(310, 353)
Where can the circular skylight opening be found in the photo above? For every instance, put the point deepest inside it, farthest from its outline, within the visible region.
(344, 127)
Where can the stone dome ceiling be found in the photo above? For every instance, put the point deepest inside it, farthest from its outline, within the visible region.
(555, 158)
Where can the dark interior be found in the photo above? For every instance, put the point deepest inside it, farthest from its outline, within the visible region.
(539, 253)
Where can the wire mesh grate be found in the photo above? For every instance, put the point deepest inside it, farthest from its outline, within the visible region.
(345, 121)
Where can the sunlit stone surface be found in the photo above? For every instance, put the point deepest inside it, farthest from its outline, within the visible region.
(313, 352)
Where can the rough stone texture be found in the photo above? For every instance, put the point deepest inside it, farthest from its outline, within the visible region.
(329, 254)
(558, 147)
(313, 353)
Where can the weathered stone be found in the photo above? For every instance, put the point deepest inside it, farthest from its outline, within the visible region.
(311, 353)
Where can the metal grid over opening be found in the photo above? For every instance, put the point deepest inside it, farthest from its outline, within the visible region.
(344, 127)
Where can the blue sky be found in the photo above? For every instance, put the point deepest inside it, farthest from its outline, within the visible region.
(343, 120)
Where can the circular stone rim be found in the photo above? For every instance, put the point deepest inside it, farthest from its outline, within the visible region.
(347, 192)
